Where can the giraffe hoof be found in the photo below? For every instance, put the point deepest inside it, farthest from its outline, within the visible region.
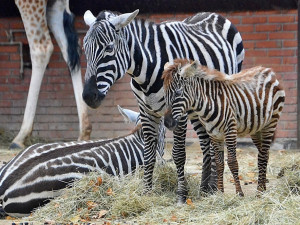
(15, 146)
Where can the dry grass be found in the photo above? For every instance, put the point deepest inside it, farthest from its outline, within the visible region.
(121, 201)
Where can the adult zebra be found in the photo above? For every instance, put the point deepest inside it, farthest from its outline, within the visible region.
(118, 43)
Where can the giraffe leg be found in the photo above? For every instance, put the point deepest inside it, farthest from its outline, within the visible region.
(59, 18)
(41, 49)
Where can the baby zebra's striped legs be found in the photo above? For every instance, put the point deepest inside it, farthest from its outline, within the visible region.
(218, 151)
(179, 157)
(262, 141)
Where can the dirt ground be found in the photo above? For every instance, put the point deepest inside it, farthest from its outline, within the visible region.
(247, 158)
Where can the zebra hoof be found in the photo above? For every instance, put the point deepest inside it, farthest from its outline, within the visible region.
(181, 201)
(15, 146)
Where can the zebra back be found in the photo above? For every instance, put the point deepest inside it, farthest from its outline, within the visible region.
(252, 97)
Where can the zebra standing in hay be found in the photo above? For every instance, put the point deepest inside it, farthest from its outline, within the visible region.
(41, 171)
(249, 102)
(119, 43)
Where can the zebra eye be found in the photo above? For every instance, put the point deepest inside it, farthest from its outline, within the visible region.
(109, 48)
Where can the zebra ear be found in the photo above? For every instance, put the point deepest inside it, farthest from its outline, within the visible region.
(129, 115)
(89, 18)
(123, 20)
(190, 69)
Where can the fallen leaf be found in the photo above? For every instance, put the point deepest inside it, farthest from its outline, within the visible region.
(241, 177)
(91, 205)
(251, 163)
(99, 181)
(109, 191)
(102, 213)
(190, 203)
(174, 218)
(165, 220)
(95, 189)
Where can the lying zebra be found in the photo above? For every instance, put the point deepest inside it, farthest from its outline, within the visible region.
(41, 171)
(249, 102)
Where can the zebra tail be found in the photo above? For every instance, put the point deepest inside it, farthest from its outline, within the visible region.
(72, 39)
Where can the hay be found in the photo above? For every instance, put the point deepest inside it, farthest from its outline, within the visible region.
(122, 201)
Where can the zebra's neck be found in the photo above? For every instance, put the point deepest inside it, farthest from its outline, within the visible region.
(144, 48)
(202, 98)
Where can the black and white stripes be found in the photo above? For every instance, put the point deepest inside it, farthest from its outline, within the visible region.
(247, 103)
(41, 171)
(118, 43)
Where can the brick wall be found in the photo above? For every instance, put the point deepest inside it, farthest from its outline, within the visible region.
(270, 39)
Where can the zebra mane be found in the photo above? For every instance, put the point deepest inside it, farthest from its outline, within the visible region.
(181, 69)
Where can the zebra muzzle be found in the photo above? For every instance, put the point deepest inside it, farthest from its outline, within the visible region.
(170, 123)
(91, 95)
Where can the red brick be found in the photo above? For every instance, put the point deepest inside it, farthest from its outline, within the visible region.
(9, 48)
(15, 57)
(286, 133)
(289, 60)
(288, 116)
(281, 19)
(249, 44)
(290, 76)
(17, 24)
(286, 68)
(268, 27)
(290, 27)
(291, 126)
(256, 53)
(254, 19)
(291, 43)
(245, 28)
(267, 61)
(4, 57)
(9, 64)
(4, 88)
(290, 108)
(235, 20)
(255, 36)
(268, 44)
(282, 52)
(282, 35)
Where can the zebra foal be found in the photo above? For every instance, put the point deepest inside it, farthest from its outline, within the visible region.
(249, 102)
(41, 171)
